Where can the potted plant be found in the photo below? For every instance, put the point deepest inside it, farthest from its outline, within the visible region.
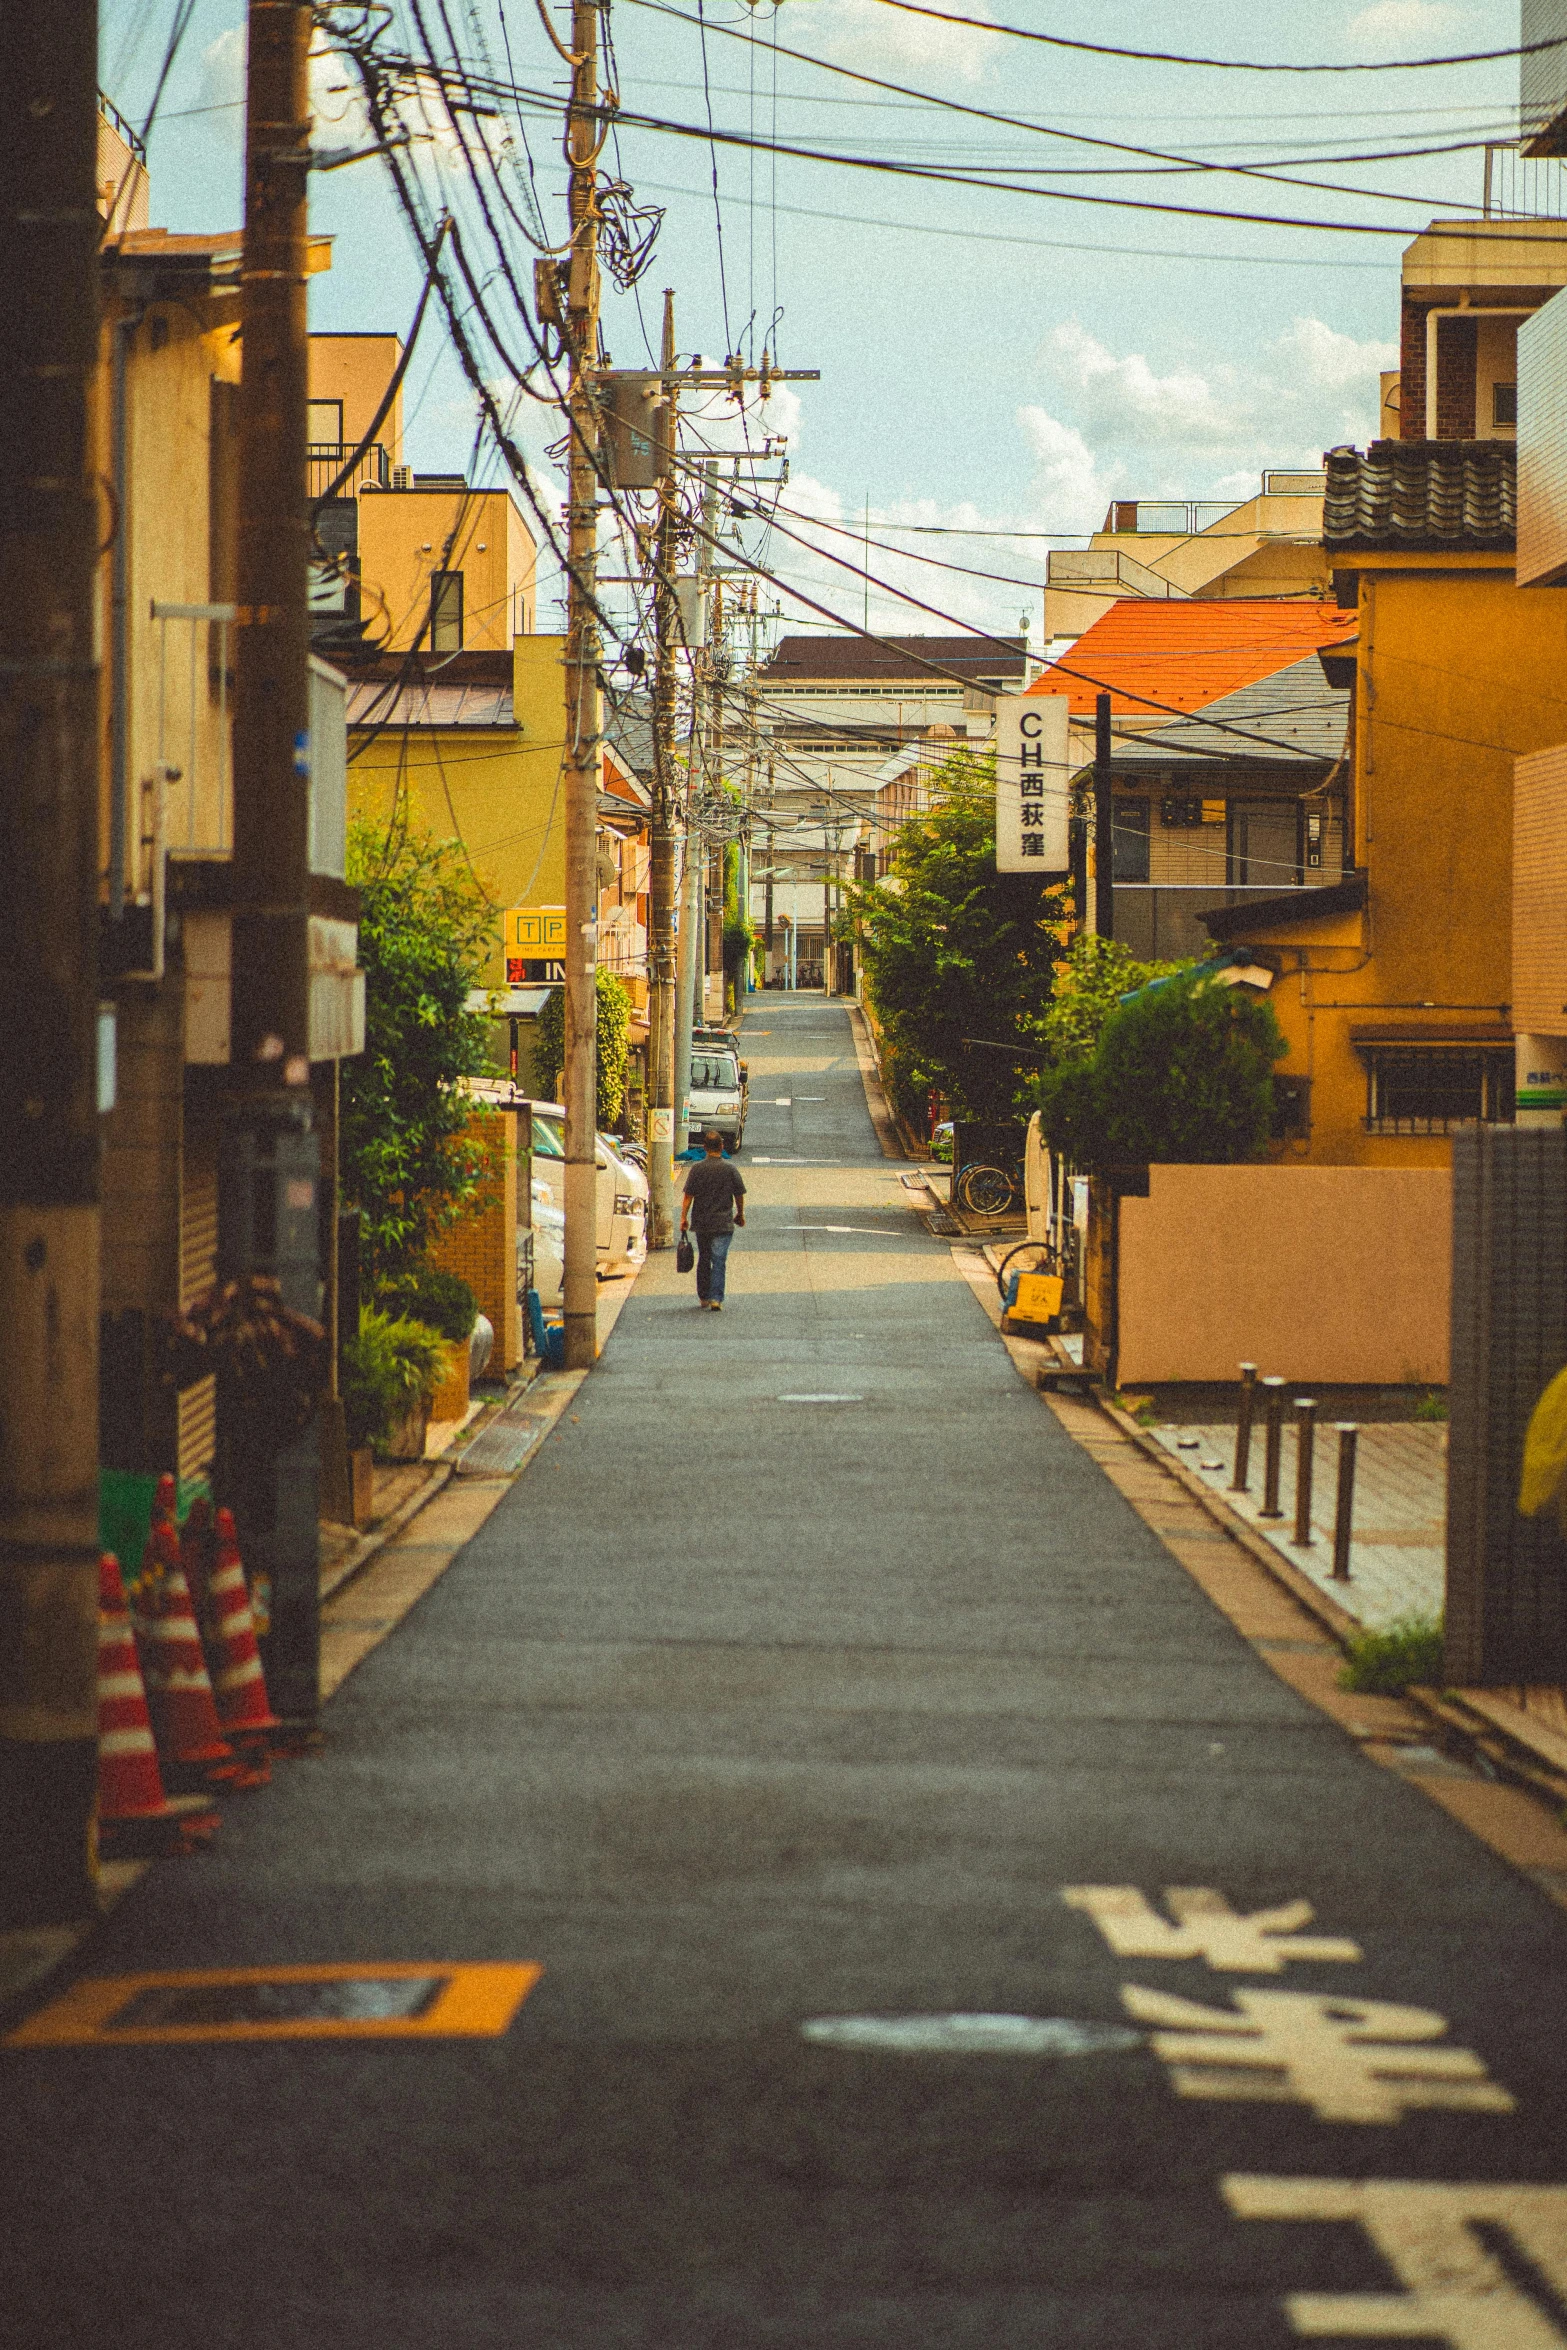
(391, 1371)
(446, 1303)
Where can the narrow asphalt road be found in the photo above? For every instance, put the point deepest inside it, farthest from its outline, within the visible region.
(793, 1683)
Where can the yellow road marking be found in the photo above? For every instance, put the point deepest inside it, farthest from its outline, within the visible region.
(470, 2002)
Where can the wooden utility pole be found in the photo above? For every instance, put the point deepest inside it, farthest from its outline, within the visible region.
(661, 1009)
(269, 1165)
(51, 521)
(579, 1085)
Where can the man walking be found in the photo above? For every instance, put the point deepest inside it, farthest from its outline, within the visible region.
(713, 1205)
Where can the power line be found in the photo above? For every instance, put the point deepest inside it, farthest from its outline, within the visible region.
(1223, 64)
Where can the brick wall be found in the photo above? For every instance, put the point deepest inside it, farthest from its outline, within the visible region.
(1456, 355)
(1412, 372)
(482, 1245)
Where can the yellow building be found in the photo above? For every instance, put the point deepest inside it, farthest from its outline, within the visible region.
(471, 747)
(1394, 986)
(407, 558)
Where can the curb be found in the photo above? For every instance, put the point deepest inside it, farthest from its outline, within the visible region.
(881, 1116)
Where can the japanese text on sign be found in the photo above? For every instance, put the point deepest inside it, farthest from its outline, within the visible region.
(1033, 784)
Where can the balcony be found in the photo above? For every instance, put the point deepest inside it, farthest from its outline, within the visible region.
(1161, 921)
(328, 458)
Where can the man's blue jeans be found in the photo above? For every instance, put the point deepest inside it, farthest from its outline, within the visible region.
(711, 1250)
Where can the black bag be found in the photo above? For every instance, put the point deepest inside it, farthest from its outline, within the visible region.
(685, 1255)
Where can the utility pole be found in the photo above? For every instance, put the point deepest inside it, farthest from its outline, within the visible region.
(691, 943)
(50, 525)
(270, 1155)
(1104, 837)
(661, 1008)
(583, 759)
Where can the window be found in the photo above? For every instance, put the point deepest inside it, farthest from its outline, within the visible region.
(326, 424)
(1129, 840)
(1504, 404)
(1429, 1089)
(446, 611)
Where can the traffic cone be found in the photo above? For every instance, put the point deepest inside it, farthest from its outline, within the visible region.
(240, 1685)
(134, 1813)
(189, 1732)
(196, 1560)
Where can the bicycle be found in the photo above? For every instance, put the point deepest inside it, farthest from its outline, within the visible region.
(987, 1190)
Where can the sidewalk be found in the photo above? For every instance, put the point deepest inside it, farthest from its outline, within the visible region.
(1398, 1555)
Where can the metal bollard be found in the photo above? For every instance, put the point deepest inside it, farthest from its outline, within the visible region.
(1243, 1428)
(1274, 1407)
(1305, 1453)
(1348, 1433)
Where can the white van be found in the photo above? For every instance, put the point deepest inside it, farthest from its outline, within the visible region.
(718, 1092)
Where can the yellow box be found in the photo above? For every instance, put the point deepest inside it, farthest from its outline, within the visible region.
(1038, 1297)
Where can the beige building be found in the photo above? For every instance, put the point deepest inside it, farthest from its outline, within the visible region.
(406, 558)
(1163, 548)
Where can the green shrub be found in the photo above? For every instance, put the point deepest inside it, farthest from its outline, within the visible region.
(612, 1039)
(429, 1294)
(1386, 1663)
(1431, 1406)
(1091, 981)
(393, 1365)
(1182, 1073)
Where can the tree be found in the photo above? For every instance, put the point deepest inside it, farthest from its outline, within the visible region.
(408, 1162)
(1183, 1073)
(953, 950)
(612, 1029)
(1096, 974)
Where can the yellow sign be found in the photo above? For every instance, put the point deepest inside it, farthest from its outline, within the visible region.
(535, 930)
(1038, 1297)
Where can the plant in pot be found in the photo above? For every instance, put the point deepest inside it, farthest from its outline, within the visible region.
(446, 1303)
(391, 1371)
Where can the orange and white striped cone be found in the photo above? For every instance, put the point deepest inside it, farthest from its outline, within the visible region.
(130, 1784)
(178, 1684)
(240, 1683)
(134, 1813)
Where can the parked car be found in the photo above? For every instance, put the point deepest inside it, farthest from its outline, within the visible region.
(549, 1248)
(719, 1092)
(622, 1193)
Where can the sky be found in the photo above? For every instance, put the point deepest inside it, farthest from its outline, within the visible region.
(995, 365)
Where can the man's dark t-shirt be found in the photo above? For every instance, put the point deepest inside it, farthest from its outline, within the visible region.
(715, 1190)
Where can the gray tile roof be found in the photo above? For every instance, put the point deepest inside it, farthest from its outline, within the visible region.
(1293, 715)
(1422, 495)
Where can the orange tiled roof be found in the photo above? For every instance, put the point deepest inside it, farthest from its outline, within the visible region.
(1154, 656)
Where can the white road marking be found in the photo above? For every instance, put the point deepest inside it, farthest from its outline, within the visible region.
(821, 1399)
(1259, 1942)
(1457, 2291)
(1350, 2060)
(968, 2035)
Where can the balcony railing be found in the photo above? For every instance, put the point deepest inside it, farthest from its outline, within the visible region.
(327, 459)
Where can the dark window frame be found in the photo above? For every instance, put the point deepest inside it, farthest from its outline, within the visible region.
(446, 588)
(1435, 1089)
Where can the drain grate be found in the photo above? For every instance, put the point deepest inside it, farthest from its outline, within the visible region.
(500, 1449)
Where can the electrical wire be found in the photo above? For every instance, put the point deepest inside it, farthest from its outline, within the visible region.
(1224, 64)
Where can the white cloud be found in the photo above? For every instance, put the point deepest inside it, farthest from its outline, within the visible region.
(1406, 26)
(1068, 488)
(1193, 432)
(884, 40)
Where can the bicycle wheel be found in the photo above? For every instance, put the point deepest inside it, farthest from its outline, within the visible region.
(1029, 1256)
(986, 1191)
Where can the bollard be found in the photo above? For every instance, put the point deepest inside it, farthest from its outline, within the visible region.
(1343, 1518)
(1243, 1428)
(1273, 1405)
(1305, 1451)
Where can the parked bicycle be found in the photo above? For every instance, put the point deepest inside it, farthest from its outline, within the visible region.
(985, 1189)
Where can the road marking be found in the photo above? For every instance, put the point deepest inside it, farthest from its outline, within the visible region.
(782, 1101)
(821, 1399)
(435, 2000)
(968, 2035)
(1259, 1942)
(1350, 2060)
(1457, 2290)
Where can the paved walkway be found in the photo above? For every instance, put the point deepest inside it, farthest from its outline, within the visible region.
(1397, 1562)
(812, 1689)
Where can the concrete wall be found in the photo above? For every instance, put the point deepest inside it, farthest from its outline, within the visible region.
(1333, 1274)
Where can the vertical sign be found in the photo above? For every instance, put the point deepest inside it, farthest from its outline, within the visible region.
(1033, 784)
